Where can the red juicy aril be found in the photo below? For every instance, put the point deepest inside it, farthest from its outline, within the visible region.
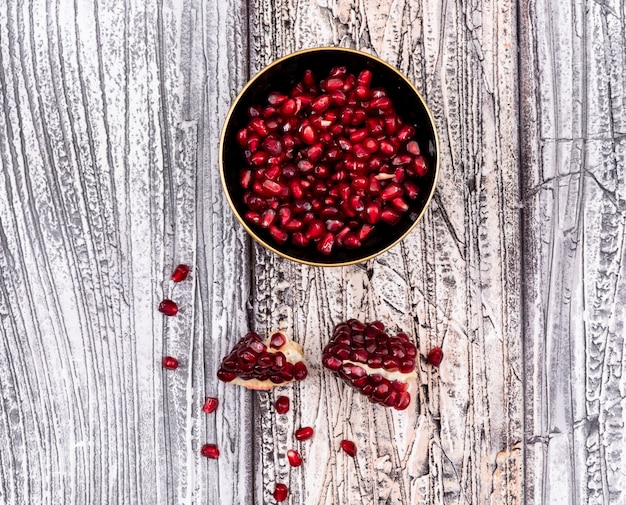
(328, 162)
(258, 364)
(377, 364)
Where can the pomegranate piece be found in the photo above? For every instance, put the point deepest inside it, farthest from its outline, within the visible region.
(180, 273)
(294, 457)
(435, 356)
(170, 363)
(210, 451)
(281, 405)
(210, 405)
(379, 365)
(168, 307)
(327, 152)
(281, 492)
(263, 364)
(349, 447)
(304, 433)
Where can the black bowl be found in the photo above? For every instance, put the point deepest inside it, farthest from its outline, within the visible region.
(282, 75)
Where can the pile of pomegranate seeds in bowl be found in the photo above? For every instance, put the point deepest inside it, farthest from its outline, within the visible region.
(329, 156)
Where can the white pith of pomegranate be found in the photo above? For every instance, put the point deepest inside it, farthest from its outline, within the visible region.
(329, 162)
(262, 365)
(378, 365)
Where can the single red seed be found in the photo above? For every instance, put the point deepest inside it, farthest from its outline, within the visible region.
(281, 492)
(420, 166)
(300, 371)
(168, 307)
(210, 451)
(277, 340)
(210, 404)
(349, 447)
(180, 273)
(435, 356)
(294, 457)
(170, 363)
(304, 433)
(281, 405)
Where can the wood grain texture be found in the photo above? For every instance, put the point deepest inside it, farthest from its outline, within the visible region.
(103, 132)
(574, 57)
(453, 282)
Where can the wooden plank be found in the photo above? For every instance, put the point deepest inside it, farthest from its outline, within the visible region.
(453, 282)
(573, 121)
(101, 139)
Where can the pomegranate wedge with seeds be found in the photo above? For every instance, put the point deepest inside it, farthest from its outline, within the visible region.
(379, 365)
(258, 364)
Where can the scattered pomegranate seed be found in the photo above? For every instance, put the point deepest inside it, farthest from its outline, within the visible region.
(210, 405)
(349, 447)
(435, 356)
(294, 457)
(180, 273)
(281, 405)
(170, 363)
(304, 433)
(281, 492)
(168, 307)
(210, 451)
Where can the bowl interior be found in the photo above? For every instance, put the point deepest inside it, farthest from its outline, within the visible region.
(282, 76)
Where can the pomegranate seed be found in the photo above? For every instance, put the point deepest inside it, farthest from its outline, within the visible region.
(299, 239)
(315, 152)
(245, 178)
(278, 235)
(411, 190)
(435, 356)
(253, 217)
(402, 159)
(372, 213)
(276, 98)
(258, 125)
(364, 78)
(259, 158)
(315, 230)
(399, 204)
(267, 218)
(351, 242)
(308, 135)
(304, 433)
(334, 83)
(362, 92)
(281, 492)
(382, 103)
(387, 148)
(392, 191)
(210, 404)
(412, 147)
(289, 108)
(349, 447)
(320, 104)
(294, 457)
(168, 307)
(326, 243)
(300, 371)
(210, 451)
(272, 146)
(296, 188)
(277, 340)
(180, 273)
(405, 133)
(281, 405)
(420, 166)
(170, 363)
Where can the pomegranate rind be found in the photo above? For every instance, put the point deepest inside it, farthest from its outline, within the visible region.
(254, 364)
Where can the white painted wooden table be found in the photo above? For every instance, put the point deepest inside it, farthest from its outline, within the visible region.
(110, 113)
